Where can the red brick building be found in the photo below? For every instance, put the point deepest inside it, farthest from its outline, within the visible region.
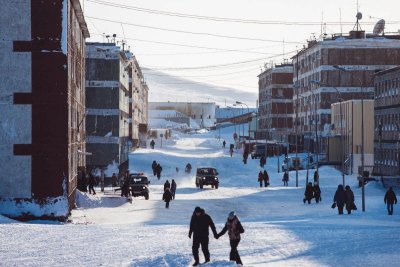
(42, 102)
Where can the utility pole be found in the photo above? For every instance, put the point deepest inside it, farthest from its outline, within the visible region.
(297, 111)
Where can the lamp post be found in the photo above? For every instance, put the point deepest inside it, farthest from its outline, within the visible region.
(362, 137)
(341, 126)
(248, 112)
(233, 115)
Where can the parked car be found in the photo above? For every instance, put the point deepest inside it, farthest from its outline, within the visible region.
(139, 185)
(258, 151)
(207, 176)
(298, 163)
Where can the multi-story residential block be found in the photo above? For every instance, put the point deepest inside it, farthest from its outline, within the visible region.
(275, 109)
(340, 67)
(346, 134)
(387, 121)
(107, 105)
(42, 106)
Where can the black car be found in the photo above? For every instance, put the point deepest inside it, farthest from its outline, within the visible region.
(207, 176)
(139, 185)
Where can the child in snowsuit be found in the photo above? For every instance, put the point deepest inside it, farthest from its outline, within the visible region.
(234, 228)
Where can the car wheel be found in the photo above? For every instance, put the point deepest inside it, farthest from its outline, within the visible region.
(197, 184)
(216, 186)
(212, 186)
(146, 196)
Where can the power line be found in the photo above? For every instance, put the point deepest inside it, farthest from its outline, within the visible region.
(223, 19)
(194, 33)
(186, 45)
(145, 70)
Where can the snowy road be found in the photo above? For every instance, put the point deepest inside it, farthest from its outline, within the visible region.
(280, 230)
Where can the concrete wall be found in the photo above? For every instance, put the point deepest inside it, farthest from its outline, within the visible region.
(15, 120)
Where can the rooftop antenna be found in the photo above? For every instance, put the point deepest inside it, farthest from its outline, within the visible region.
(359, 17)
(283, 48)
(108, 36)
(341, 26)
(114, 36)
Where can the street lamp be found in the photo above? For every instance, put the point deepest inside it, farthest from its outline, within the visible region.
(248, 112)
(242, 115)
(341, 125)
(233, 115)
(362, 136)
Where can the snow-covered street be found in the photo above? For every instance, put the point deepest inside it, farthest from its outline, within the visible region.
(280, 230)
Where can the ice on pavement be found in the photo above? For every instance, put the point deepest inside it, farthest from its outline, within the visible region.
(280, 230)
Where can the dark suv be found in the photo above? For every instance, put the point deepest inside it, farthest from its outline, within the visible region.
(139, 185)
(207, 176)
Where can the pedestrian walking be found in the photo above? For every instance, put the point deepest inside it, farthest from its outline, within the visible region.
(234, 229)
(173, 188)
(308, 193)
(158, 171)
(340, 199)
(317, 192)
(390, 199)
(152, 144)
(263, 161)
(167, 197)
(199, 225)
(285, 178)
(167, 185)
(223, 144)
(245, 156)
(260, 178)
(188, 168)
(114, 181)
(316, 177)
(349, 200)
(91, 183)
(266, 178)
(154, 167)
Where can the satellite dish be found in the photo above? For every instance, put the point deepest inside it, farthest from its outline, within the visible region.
(379, 27)
(359, 15)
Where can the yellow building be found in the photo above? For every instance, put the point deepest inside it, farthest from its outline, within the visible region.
(346, 127)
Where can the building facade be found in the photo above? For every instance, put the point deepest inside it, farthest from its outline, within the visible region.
(387, 121)
(275, 108)
(346, 134)
(341, 67)
(107, 105)
(42, 106)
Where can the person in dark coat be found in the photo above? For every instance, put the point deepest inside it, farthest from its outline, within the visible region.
(317, 192)
(125, 188)
(173, 188)
(260, 178)
(167, 197)
(223, 144)
(199, 225)
(91, 183)
(340, 198)
(158, 171)
(262, 161)
(152, 144)
(234, 229)
(316, 177)
(245, 156)
(167, 185)
(285, 178)
(308, 193)
(349, 199)
(266, 178)
(390, 199)
(188, 168)
(154, 167)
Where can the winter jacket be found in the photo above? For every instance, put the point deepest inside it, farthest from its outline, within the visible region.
(340, 196)
(199, 225)
(349, 198)
(167, 196)
(285, 177)
(260, 177)
(154, 165)
(390, 197)
(173, 186)
(91, 180)
(309, 192)
(266, 176)
(167, 185)
(234, 228)
(317, 191)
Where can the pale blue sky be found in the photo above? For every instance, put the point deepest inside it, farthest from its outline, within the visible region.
(238, 76)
